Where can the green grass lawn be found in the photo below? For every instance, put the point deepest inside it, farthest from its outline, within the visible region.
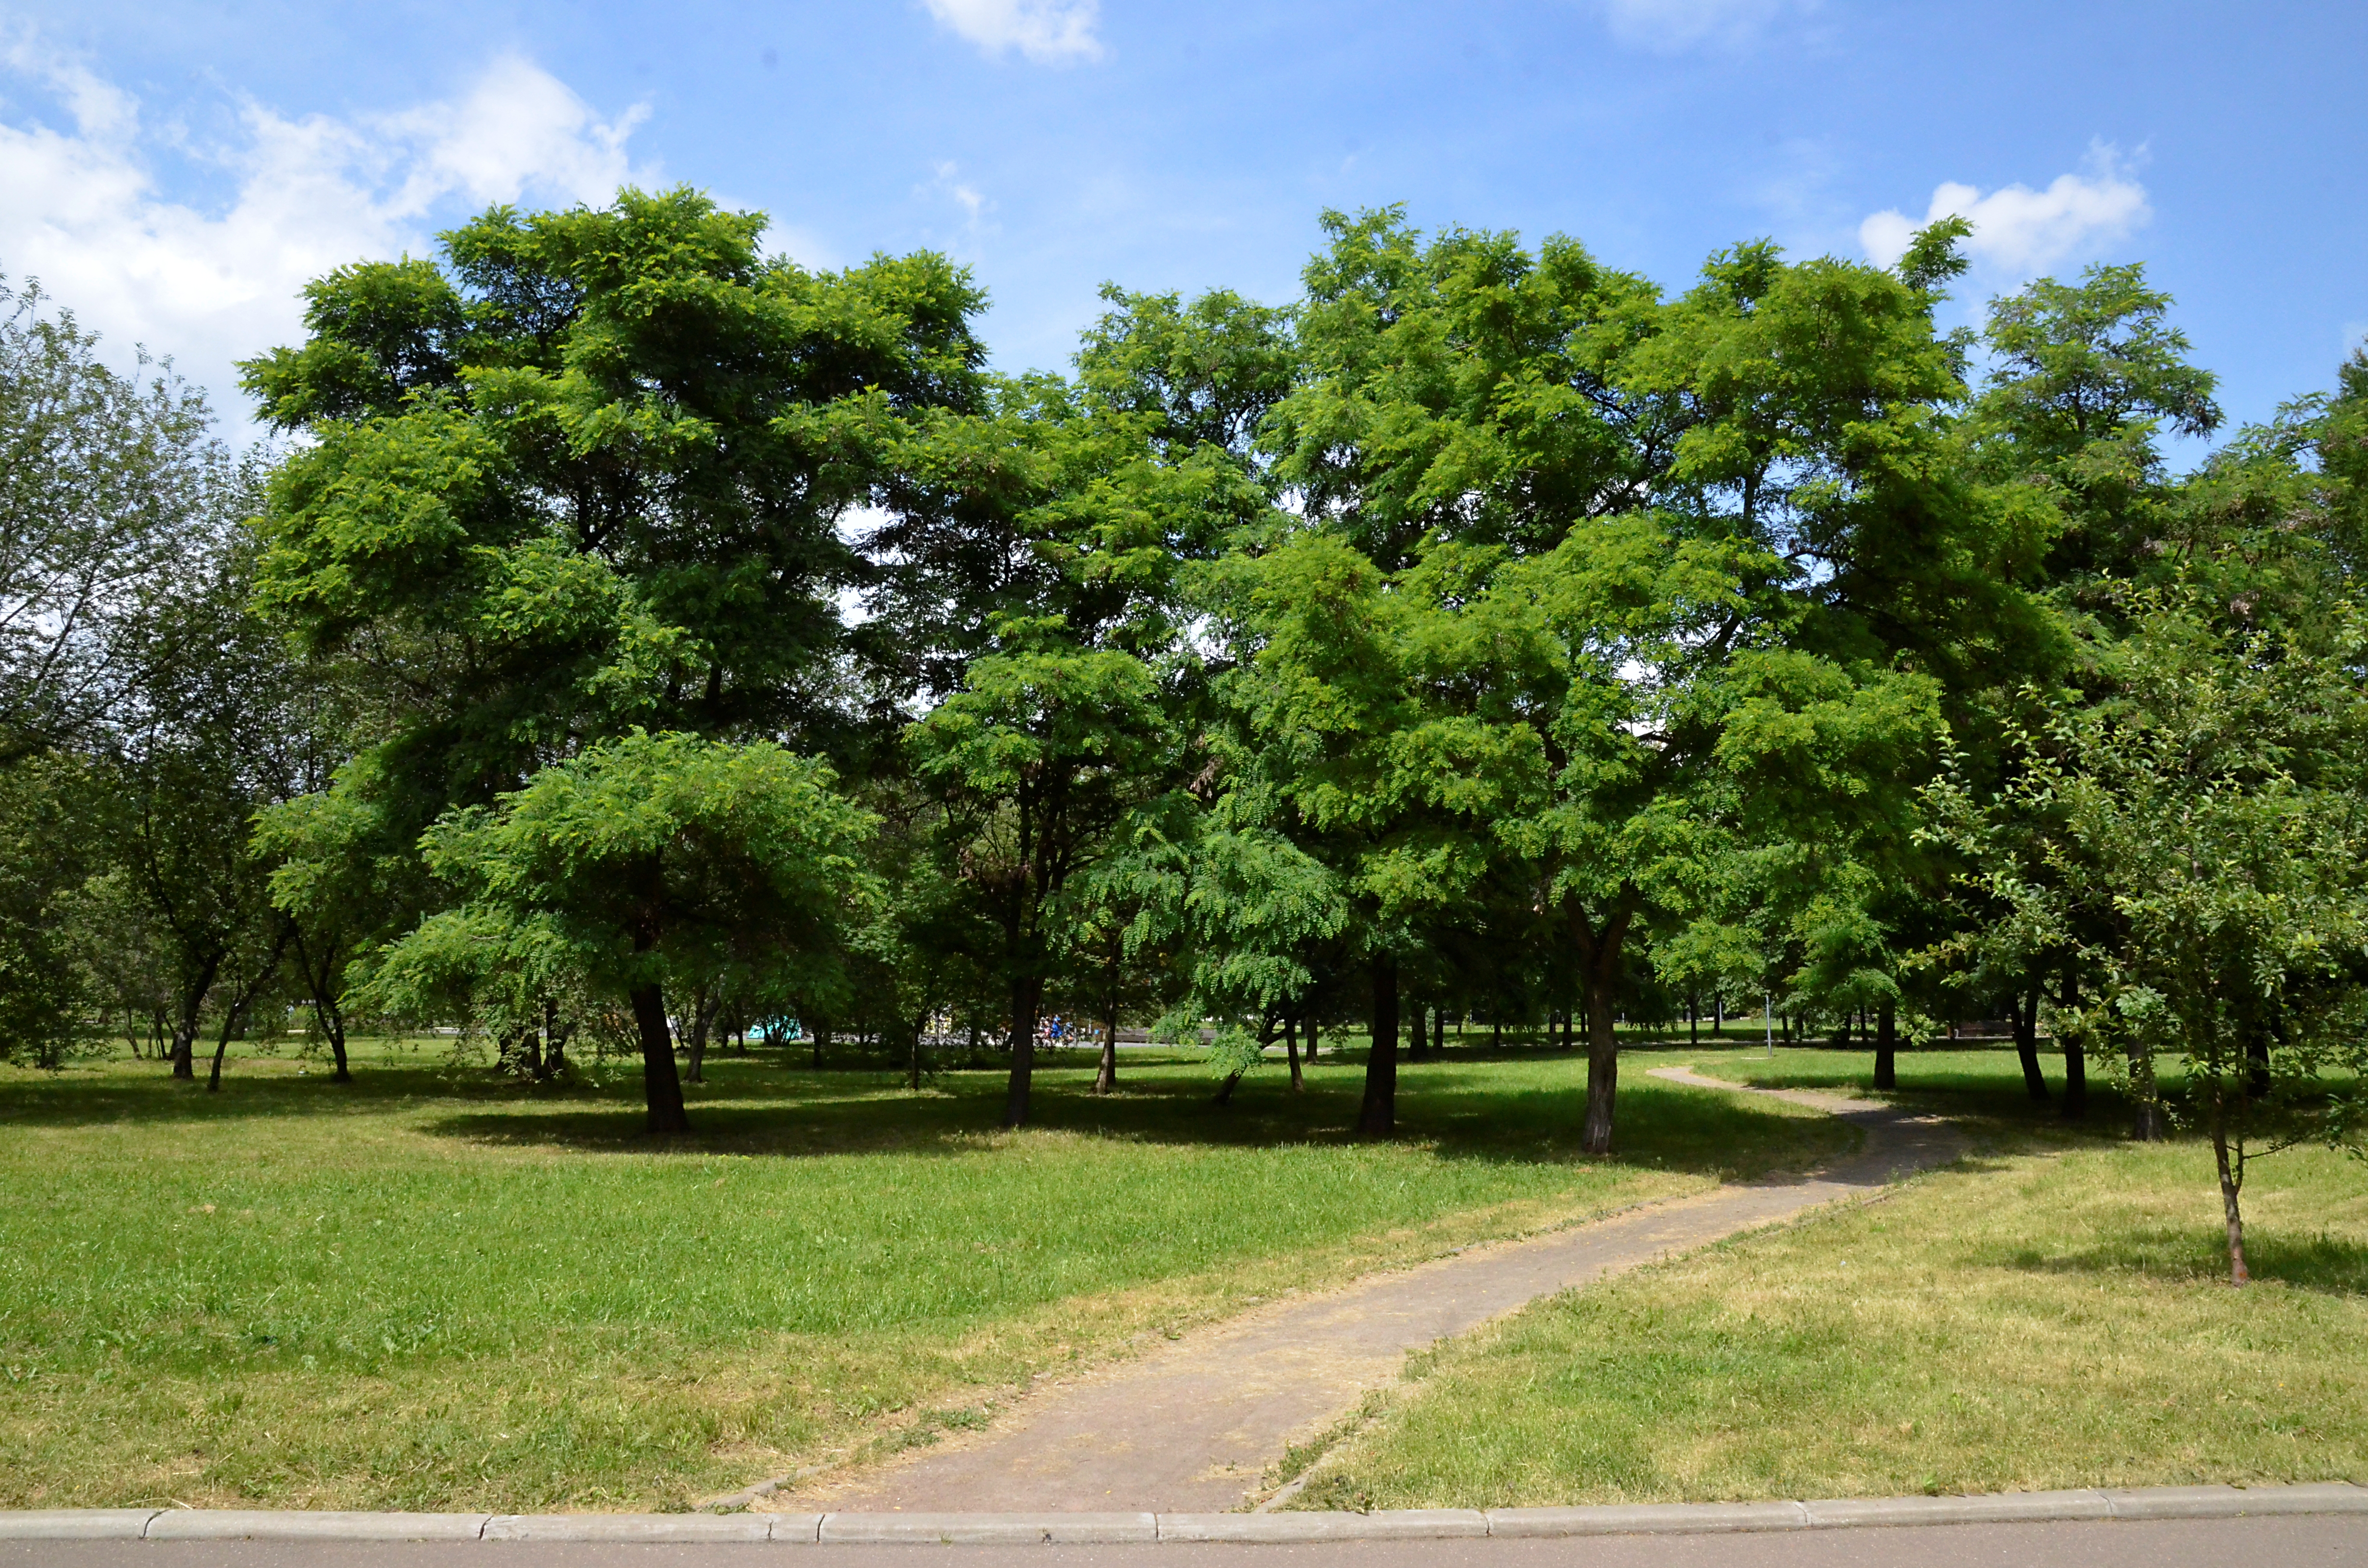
(2053, 1311)
(430, 1289)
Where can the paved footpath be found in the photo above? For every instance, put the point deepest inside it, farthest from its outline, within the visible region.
(2296, 1542)
(1194, 1426)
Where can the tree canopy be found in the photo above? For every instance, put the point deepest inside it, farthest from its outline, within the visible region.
(629, 630)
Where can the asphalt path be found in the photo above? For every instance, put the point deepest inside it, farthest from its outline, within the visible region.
(2321, 1541)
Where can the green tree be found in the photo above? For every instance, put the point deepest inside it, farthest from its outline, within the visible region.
(1680, 585)
(2085, 379)
(584, 474)
(114, 493)
(1333, 750)
(1047, 555)
(642, 859)
(2206, 864)
(231, 727)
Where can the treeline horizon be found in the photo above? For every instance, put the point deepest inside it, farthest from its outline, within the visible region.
(1488, 632)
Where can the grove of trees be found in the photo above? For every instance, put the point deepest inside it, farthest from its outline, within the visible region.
(630, 637)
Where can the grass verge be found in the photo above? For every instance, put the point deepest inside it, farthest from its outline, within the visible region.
(433, 1290)
(2050, 1313)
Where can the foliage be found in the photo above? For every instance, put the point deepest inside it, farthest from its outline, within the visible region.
(2204, 866)
(648, 861)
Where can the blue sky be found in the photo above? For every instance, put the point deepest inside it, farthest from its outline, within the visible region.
(172, 171)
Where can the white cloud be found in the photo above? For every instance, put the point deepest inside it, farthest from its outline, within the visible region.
(519, 128)
(2020, 230)
(1671, 25)
(1049, 32)
(964, 195)
(977, 208)
(81, 209)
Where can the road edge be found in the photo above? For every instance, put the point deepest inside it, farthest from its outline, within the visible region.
(1082, 1528)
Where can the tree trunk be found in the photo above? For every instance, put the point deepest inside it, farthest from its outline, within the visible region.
(1886, 1048)
(1602, 1063)
(1310, 1037)
(920, 1023)
(185, 1028)
(320, 981)
(221, 1045)
(246, 989)
(1438, 1033)
(2026, 1045)
(660, 1086)
(1693, 1023)
(1378, 1117)
(818, 1037)
(703, 1012)
(2232, 1178)
(1291, 1049)
(2257, 1060)
(1718, 1014)
(2146, 1115)
(1106, 1077)
(1599, 954)
(1417, 1036)
(1027, 996)
(1225, 1092)
(2075, 1062)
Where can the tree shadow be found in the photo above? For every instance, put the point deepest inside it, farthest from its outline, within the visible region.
(2324, 1264)
(775, 1105)
(144, 1092)
(1997, 1094)
(1453, 1111)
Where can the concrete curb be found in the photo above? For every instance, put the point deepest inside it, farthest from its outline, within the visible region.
(1382, 1524)
(987, 1530)
(296, 1524)
(1082, 1528)
(636, 1526)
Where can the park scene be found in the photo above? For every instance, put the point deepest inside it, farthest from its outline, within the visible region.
(644, 875)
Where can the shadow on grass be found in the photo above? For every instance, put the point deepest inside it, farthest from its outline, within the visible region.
(1454, 1114)
(1510, 1106)
(1996, 1095)
(2326, 1264)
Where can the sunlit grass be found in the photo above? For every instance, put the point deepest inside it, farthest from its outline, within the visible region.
(2053, 1313)
(432, 1289)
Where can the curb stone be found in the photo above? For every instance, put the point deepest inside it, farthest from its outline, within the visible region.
(76, 1524)
(1649, 1518)
(1083, 1529)
(634, 1527)
(298, 1524)
(2234, 1502)
(988, 1529)
(1384, 1524)
(2003, 1507)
